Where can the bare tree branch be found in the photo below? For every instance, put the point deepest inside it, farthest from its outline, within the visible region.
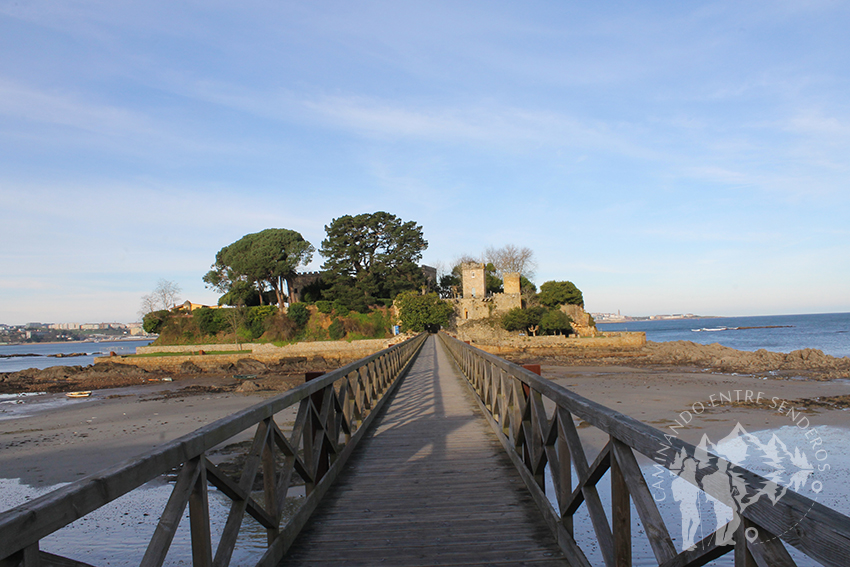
(166, 293)
(511, 258)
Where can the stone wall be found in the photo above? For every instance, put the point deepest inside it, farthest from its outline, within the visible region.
(333, 353)
(248, 347)
(471, 309)
(559, 344)
(511, 283)
(474, 280)
(300, 281)
(504, 302)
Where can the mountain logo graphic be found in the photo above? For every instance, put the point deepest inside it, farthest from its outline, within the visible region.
(724, 489)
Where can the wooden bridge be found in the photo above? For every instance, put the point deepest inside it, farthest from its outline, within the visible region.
(431, 452)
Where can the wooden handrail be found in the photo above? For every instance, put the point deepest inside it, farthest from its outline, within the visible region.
(334, 411)
(512, 400)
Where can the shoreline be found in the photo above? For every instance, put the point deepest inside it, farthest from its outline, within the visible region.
(117, 339)
(61, 440)
(807, 364)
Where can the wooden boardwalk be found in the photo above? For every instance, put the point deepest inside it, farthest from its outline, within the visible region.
(431, 485)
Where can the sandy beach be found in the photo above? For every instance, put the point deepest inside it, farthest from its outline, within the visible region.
(59, 440)
(658, 397)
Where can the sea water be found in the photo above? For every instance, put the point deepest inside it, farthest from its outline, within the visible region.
(118, 533)
(828, 332)
(17, 357)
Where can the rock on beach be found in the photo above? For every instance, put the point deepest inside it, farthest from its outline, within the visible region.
(814, 363)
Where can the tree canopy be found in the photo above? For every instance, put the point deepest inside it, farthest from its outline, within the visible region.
(556, 322)
(371, 255)
(519, 319)
(266, 258)
(554, 293)
(419, 312)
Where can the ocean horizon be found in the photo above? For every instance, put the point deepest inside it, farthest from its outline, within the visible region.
(827, 332)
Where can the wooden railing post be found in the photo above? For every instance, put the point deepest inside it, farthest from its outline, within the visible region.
(199, 520)
(270, 483)
(565, 473)
(307, 442)
(621, 516)
(743, 557)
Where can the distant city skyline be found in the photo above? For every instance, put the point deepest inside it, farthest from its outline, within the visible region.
(664, 157)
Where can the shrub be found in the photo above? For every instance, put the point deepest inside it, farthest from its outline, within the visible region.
(280, 328)
(518, 319)
(299, 313)
(337, 330)
(152, 322)
(556, 322)
(341, 308)
(207, 321)
(375, 324)
(324, 306)
(515, 320)
(255, 323)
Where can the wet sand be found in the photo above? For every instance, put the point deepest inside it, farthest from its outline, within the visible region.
(64, 439)
(662, 396)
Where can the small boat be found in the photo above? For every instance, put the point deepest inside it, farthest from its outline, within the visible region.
(245, 376)
(85, 394)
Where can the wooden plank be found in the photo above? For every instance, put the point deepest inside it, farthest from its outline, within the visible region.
(703, 552)
(743, 557)
(767, 551)
(270, 483)
(654, 526)
(232, 490)
(430, 484)
(51, 560)
(199, 521)
(293, 528)
(230, 533)
(621, 515)
(169, 520)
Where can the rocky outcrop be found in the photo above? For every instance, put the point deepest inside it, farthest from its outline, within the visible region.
(809, 361)
(190, 367)
(64, 378)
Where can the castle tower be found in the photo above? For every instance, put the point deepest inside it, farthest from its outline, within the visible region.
(474, 282)
(511, 283)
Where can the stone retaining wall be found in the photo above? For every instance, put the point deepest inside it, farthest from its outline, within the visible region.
(320, 353)
(555, 344)
(195, 348)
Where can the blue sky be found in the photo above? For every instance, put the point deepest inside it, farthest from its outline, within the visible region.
(665, 157)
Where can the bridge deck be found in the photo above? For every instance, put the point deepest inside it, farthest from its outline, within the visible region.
(430, 486)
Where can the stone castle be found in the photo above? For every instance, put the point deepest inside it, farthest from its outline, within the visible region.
(476, 304)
